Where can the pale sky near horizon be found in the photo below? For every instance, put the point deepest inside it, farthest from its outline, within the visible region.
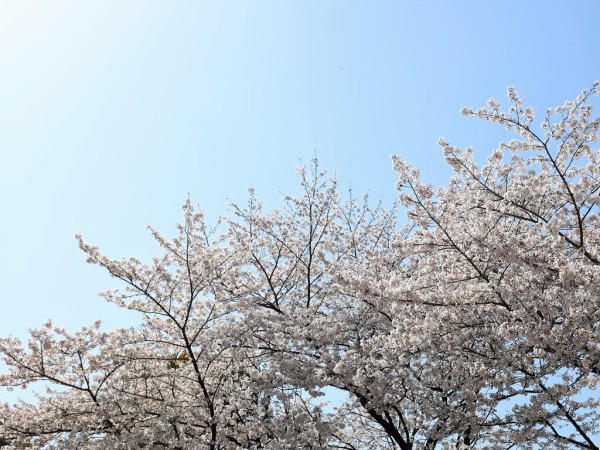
(111, 112)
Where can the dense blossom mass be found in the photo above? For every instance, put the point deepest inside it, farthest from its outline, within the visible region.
(475, 326)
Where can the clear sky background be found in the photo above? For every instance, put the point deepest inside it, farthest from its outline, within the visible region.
(112, 111)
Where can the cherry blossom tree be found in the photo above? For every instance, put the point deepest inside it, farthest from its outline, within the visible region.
(473, 326)
(504, 264)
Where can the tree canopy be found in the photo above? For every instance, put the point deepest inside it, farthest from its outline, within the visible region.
(473, 323)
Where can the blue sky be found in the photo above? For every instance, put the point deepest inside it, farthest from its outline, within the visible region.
(112, 111)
